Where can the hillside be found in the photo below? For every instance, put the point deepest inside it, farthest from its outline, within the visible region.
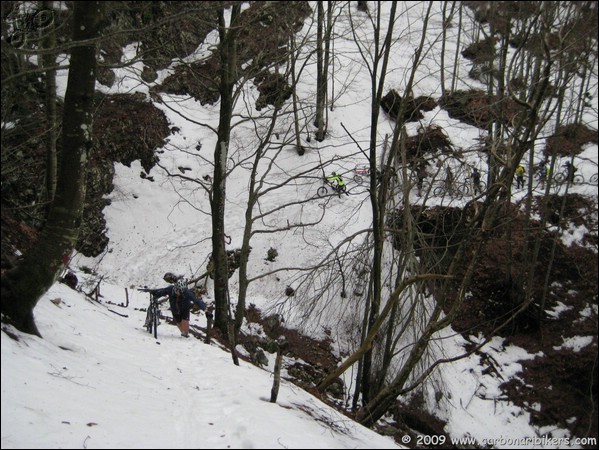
(142, 222)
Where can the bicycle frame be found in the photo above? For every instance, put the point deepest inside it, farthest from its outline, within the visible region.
(454, 191)
(152, 316)
(323, 190)
(563, 176)
(360, 172)
(468, 187)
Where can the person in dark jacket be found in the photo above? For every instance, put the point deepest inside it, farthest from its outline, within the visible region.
(180, 299)
(570, 169)
(476, 181)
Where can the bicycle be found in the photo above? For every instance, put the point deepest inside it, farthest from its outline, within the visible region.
(364, 171)
(152, 315)
(453, 191)
(323, 190)
(360, 172)
(562, 177)
(27, 24)
(469, 183)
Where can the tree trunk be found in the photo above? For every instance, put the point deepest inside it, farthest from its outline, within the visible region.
(455, 73)
(253, 197)
(378, 197)
(228, 60)
(381, 60)
(23, 287)
(298, 142)
(321, 78)
(367, 344)
(446, 22)
(49, 61)
(274, 392)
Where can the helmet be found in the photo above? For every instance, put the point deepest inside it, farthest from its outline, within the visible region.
(180, 284)
(334, 174)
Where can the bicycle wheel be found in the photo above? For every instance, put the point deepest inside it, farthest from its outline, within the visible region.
(482, 187)
(578, 179)
(322, 191)
(17, 39)
(559, 178)
(465, 189)
(594, 178)
(155, 321)
(439, 191)
(43, 18)
(358, 179)
(458, 194)
(149, 320)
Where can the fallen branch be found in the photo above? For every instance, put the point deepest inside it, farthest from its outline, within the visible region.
(118, 313)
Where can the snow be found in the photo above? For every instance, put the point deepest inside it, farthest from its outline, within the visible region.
(575, 343)
(97, 379)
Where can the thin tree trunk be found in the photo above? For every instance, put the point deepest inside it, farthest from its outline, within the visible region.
(48, 60)
(367, 344)
(321, 79)
(455, 74)
(378, 221)
(228, 69)
(281, 348)
(378, 197)
(446, 21)
(253, 196)
(298, 142)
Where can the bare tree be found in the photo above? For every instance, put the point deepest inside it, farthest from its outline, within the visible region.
(48, 60)
(259, 61)
(406, 337)
(323, 43)
(228, 77)
(22, 287)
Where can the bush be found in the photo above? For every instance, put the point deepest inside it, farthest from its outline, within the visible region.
(272, 254)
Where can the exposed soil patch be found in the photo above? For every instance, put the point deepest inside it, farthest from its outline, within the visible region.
(552, 387)
(560, 386)
(316, 356)
(128, 128)
(570, 139)
(17, 239)
(479, 109)
(411, 419)
(265, 31)
(431, 139)
(391, 104)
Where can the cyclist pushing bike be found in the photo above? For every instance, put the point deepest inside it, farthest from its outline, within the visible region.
(570, 170)
(180, 298)
(476, 181)
(337, 183)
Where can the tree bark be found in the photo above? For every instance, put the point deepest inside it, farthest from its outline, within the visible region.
(24, 285)
(228, 69)
(49, 61)
(321, 82)
(379, 66)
